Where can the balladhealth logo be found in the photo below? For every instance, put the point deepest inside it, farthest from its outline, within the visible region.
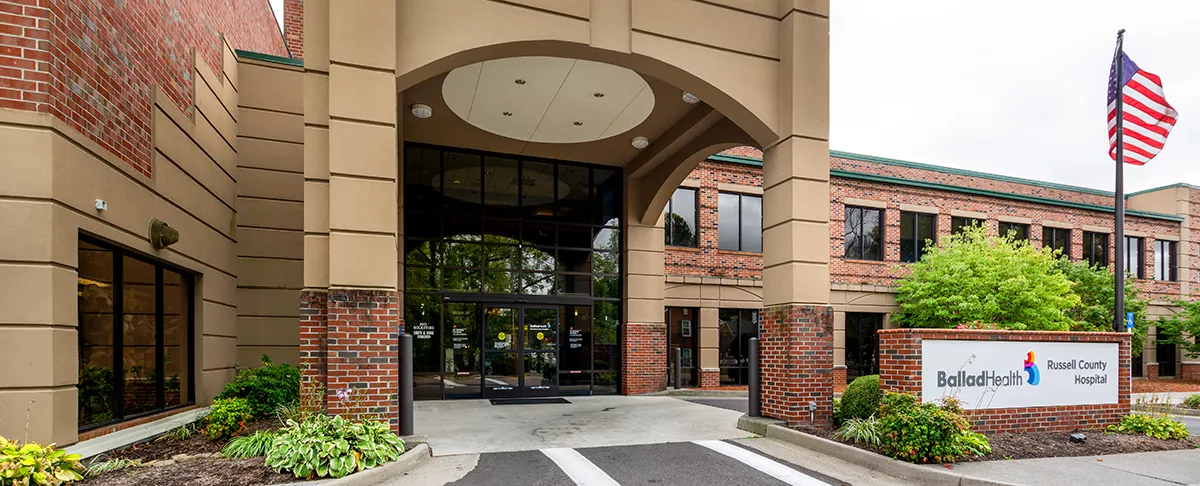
(1035, 376)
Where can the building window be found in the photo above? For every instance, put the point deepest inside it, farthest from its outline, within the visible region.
(1165, 353)
(1058, 239)
(1165, 267)
(864, 233)
(1017, 231)
(1095, 248)
(135, 335)
(739, 222)
(1134, 265)
(917, 231)
(683, 332)
(862, 344)
(680, 222)
(957, 223)
(736, 327)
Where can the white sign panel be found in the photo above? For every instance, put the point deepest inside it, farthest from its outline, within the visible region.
(1003, 374)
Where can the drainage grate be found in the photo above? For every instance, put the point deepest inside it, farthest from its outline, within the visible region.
(527, 401)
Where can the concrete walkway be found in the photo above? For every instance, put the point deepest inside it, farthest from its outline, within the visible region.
(477, 426)
(1142, 469)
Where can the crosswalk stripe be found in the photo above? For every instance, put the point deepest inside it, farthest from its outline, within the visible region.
(579, 468)
(767, 466)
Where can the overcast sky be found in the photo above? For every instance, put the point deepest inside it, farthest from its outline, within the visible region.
(1014, 87)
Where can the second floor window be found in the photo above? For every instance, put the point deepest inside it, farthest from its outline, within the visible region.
(864, 233)
(1017, 231)
(957, 223)
(916, 231)
(1164, 261)
(1134, 248)
(1095, 248)
(1057, 239)
(739, 222)
(680, 222)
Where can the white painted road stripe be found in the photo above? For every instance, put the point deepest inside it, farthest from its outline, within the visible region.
(579, 468)
(767, 466)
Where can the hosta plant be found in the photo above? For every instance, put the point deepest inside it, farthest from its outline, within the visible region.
(1159, 426)
(324, 446)
(32, 464)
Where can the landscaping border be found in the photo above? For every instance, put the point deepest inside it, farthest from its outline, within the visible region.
(411, 459)
(926, 475)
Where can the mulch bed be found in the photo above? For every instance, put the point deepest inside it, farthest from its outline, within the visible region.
(1164, 386)
(1032, 445)
(201, 471)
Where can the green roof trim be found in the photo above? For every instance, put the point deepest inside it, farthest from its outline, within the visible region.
(1156, 189)
(258, 56)
(736, 159)
(967, 173)
(996, 194)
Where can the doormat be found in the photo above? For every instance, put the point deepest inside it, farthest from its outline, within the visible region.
(528, 401)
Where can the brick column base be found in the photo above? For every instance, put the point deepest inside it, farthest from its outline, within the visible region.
(710, 378)
(350, 353)
(839, 375)
(643, 358)
(1189, 371)
(797, 363)
(1151, 371)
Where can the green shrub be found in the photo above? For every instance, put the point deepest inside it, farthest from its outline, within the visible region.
(256, 445)
(838, 418)
(860, 431)
(266, 387)
(32, 464)
(226, 418)
(926, 432)
(324, 446)
(1192, 401)
(1159, 426)
(861, 399)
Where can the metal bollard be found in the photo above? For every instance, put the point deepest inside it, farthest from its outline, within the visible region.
(678, 368)
(406, 385)
(755, 388)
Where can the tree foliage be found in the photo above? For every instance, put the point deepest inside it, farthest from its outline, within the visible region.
(1096, 290)
(1183, 328)
(974, 277)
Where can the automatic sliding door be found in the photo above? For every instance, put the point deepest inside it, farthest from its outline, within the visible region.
(540, 356)
(461, 342)
(501, 370)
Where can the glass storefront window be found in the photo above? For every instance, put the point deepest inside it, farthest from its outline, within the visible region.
(135, 335)
(735, 328)
(862, 344)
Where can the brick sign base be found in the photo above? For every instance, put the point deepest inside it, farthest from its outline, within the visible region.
(900, 371)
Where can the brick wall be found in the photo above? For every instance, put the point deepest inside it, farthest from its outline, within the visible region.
(293, 27)
(708, 259)
(796, 349)
(900, 371)
(94, 63)
(643, 358)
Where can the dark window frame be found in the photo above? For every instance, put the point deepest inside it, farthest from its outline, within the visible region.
(957, 223)
(668, 222)
(746, 318)
(1089, 246)
(1135, 247)
(741, 238)
(919, 246)
(1050, 233)
(858, 321)
(1166, 267)
(1003, 228)
(862, 238)
(187, 286)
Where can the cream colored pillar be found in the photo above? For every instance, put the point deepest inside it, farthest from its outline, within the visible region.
(351, 210)
(644, 331)
(710, 346)
(796, 329)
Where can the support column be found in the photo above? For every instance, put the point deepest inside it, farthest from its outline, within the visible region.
(710, 347)
(644, 331)
(796, 325)
(353, 192)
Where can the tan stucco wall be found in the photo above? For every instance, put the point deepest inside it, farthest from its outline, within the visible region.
(270, 195)
(53, 175)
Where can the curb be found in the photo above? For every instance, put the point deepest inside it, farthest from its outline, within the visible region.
(693, 392)
(926, 475)
(408, 461)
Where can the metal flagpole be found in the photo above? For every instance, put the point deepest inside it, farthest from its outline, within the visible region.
(1119, 197)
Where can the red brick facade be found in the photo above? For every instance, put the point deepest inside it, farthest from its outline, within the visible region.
(293, 27)
(643, 367)
(710, 378)
(707, 259)
(796, 349)
(95, 64)
(900, 371)
(355, 369)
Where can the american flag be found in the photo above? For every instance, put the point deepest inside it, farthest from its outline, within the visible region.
(1147, 116)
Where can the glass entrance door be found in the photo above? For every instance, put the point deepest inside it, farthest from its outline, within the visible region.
(520, 351)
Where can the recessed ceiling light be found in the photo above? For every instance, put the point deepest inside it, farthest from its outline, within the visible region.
(422, 111)
(507, 113)
(690, 99)
(579, 124)
(640, 142)
(598, 95)
(519, 81)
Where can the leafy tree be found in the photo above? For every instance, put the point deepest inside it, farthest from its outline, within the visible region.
(970, 277)
(681, 231)
(1183, 328)
(1095, 288)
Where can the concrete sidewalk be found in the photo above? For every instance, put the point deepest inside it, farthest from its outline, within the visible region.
(1141, 469)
